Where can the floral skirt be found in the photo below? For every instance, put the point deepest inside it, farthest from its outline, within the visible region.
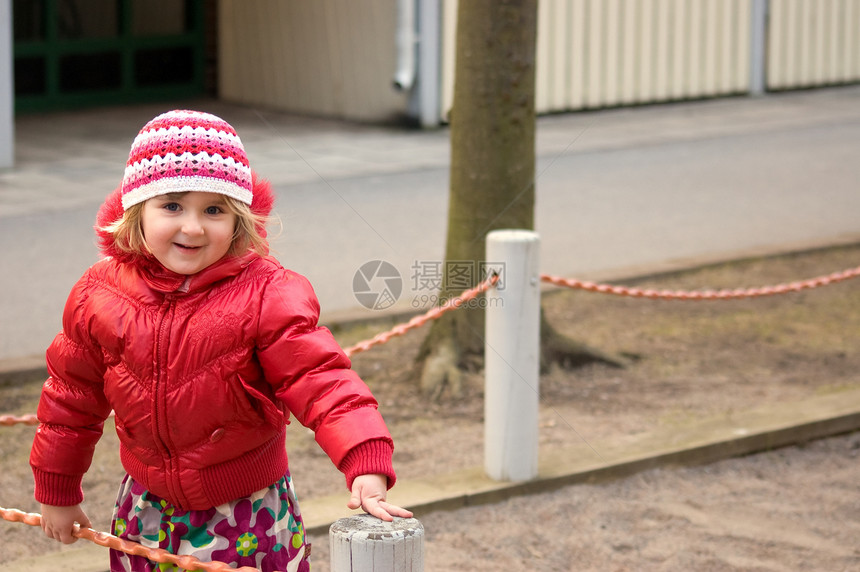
(263, 530)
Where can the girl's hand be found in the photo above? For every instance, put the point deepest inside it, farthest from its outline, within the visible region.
(369, 493)
(58, 522)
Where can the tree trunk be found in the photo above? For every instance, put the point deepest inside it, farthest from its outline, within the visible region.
(492, 165)
(492, 182)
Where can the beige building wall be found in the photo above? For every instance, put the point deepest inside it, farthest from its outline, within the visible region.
(602, 53)
(337, 57)
(334, 58)
(813, 42)
(618, 52)
(599, 53)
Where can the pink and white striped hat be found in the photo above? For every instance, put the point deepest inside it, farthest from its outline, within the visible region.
(186, 150)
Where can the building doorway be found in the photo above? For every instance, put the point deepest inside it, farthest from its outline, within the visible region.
(77, 53)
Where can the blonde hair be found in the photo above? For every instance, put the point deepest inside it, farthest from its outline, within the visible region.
(248, 235)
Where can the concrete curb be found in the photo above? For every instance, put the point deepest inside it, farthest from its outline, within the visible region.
(705, 441)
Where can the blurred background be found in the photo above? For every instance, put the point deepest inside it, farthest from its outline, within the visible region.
(343, 105)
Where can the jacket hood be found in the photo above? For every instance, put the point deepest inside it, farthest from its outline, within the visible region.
(112, 210)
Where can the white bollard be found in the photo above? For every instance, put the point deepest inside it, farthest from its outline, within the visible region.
(512, 358)
(364, 543)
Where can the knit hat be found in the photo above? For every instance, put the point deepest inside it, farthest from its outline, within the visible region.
(185, 150)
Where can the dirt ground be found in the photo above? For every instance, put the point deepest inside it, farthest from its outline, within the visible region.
(796, 508)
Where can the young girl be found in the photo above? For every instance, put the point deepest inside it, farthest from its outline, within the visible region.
(203, 345)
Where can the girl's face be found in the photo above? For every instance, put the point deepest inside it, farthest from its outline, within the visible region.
(187, 232)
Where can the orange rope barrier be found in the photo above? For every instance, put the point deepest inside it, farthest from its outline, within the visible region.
(436, 312)
(419, 321)
(703, 294)
(29, 419)
(9, 420)
(454, 303)
(110, 541)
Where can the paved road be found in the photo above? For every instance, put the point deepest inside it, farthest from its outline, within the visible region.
(619, 191)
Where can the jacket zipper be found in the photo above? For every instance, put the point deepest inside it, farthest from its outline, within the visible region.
(159, 392)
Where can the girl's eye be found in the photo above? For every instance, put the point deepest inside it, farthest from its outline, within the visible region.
(172, 207)
(213, 210)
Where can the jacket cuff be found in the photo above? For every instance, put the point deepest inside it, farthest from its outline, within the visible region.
(58, 490)
(369, 458)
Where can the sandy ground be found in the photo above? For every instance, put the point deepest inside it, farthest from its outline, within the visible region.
(797, 508)
(789, 509)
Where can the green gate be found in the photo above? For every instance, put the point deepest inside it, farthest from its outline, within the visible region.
(76, 53)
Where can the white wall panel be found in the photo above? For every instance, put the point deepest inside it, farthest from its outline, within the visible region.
(813, 42)
(603, 53)
(326, 57)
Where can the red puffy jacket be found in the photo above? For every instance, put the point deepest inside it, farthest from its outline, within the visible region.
(202, 372)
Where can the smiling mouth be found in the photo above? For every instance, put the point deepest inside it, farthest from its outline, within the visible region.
(186, 247)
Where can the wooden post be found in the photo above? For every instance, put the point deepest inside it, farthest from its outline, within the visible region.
(363, 543)
(512, 358)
